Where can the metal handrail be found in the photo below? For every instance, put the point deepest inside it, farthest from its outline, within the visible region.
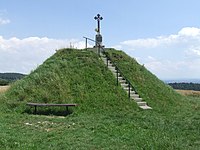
(122, 74)
(117, 68)
(98, 43)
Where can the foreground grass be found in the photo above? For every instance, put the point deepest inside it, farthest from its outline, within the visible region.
(116, 130)
(105, 118)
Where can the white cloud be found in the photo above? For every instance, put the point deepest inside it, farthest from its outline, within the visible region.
(178, 69)
(189, 31)
(4, 21)
(172, 56)
(141, 43)
(193, 52)
(183, 36)
(152, 42)
(24, 55)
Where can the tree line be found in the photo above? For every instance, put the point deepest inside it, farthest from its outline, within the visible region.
(6, 78)
(185, 86)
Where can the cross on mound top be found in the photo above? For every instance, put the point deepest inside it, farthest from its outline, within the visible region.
(98, 37)
(98, 18)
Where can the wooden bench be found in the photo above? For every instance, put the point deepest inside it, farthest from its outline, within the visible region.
(46, 105)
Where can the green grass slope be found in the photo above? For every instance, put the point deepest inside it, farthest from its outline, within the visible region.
(105, 118)
(69, 76)
(159, 96)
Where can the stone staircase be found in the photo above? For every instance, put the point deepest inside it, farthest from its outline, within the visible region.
(124, 84)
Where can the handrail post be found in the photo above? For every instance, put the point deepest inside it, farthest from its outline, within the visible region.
(35, 110)
(129, 90)
(117, 77)
(107, 61)
(99, 49)
(86, 43)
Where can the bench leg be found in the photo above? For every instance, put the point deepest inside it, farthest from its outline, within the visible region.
(35, 110)
(67, 110)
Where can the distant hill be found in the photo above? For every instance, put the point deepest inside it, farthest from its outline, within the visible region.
(182, 81)
(185, 86)
(6, 78)
(11, 76)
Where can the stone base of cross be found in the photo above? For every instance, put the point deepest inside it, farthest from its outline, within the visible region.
(98, 39)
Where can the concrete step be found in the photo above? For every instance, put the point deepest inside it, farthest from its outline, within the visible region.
(114, 72)
(141, 103)
(137, 99)
(145, 107)
(134, 96)
(124, 84)
(112, 68)
(119, 75)
(122, 80)
(132, 92)
(127, 89)
(103, 58)
(109, 64)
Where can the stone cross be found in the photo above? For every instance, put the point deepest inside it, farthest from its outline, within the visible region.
(98, 18)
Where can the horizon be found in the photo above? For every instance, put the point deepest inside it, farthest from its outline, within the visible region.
(164, 36)
(169, 80)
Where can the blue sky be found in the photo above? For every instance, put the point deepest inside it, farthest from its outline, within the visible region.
(162, 35)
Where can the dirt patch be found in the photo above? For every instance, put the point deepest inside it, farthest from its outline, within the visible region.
(4, 88)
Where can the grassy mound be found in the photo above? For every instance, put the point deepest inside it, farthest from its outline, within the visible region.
(79, 76)
(69, 76)
(105, 118)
